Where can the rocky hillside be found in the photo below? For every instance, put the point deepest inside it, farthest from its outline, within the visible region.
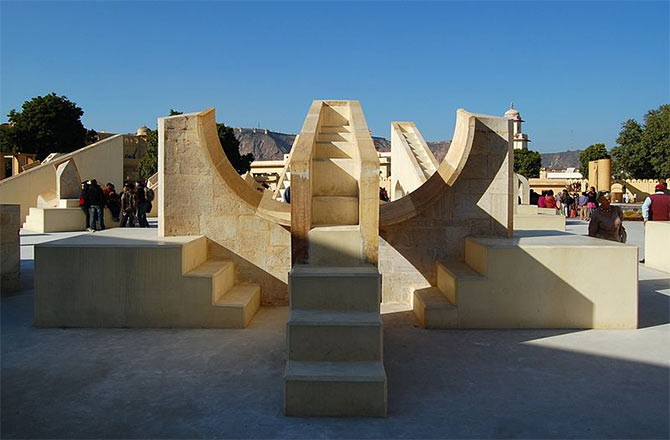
(272, 145)
(561, 160)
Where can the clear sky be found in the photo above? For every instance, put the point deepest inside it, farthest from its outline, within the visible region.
(575, 70)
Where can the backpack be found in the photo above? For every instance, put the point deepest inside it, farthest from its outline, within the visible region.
(149, 194)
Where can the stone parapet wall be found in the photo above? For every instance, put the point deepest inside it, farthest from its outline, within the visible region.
(10, 250)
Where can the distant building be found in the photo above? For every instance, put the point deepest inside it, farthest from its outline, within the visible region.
(520, 139)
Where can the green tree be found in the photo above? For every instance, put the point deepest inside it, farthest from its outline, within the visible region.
(527, 163)
(593, 152)
(643, 151)
(629, 156)
(656, 140)
(231, 146)
(45, 124)
(148, 165)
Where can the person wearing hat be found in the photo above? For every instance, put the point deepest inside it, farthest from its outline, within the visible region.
(607, 220)
(656, 207)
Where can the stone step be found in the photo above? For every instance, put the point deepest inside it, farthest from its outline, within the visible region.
(476, 256)
(314, 335)
(334, 137)
(243, 301)
(335, 389)
(334, 210)
(433, 309)
(335, 245)
(220, 272)
(455, 277)
(334, 177)
(334, 149)
(354, 289)
(335, 129)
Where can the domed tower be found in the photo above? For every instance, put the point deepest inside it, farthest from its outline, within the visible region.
(520, 140)
(142, 131)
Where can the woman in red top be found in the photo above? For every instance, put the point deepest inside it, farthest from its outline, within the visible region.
(550, 200)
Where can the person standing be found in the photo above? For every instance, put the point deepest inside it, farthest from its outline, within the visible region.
(84, 205)
(127, 207)
(112, 200)
(607, 220)
(141, 205)
(656, 207)
(550, 200)
(591, 201)
(582, 206)
(542, 200)
(96, 199)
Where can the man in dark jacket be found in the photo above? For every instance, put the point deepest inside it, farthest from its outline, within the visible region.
(96, 200)
(142, 205)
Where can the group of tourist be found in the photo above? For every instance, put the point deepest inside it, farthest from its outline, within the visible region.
(131, 206)
(605, 220)
(570, 205)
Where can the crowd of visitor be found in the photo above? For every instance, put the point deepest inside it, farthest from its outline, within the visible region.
(129, 208)
(605, 220)
(573, 205)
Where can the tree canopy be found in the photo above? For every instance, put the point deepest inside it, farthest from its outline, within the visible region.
(148, 165)
(593, 152)
(231, 146)
(643, 151)
(527, 163)
(45, 124)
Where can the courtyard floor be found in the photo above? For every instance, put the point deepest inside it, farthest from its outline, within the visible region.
(150, 383)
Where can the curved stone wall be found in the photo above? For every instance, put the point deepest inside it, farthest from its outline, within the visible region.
(202, 194)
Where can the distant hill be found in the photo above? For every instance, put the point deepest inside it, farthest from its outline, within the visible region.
(272, 145)
(561, 160)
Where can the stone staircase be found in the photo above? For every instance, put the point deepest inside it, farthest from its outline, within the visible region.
(334, 331)
(234, 303)
(416, 145)
(335, 189)
(437, 307)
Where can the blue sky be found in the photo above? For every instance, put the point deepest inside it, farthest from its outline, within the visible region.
(575, 70)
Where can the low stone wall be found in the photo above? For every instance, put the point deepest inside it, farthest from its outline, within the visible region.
(657, 245)
(10, 250)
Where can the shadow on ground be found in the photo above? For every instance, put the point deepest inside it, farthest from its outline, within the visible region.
(129, 383)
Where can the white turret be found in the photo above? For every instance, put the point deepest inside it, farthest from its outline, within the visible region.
(520, 140)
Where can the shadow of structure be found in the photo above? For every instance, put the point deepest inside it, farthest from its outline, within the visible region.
(654, 306)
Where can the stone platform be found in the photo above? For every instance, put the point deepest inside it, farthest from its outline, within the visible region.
(532, 218)
(67, 217)
(130, 277)
(535, 279)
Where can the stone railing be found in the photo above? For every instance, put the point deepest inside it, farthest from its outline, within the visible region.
(368, 182)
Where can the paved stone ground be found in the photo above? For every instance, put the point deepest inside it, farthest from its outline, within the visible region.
(123, 383)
